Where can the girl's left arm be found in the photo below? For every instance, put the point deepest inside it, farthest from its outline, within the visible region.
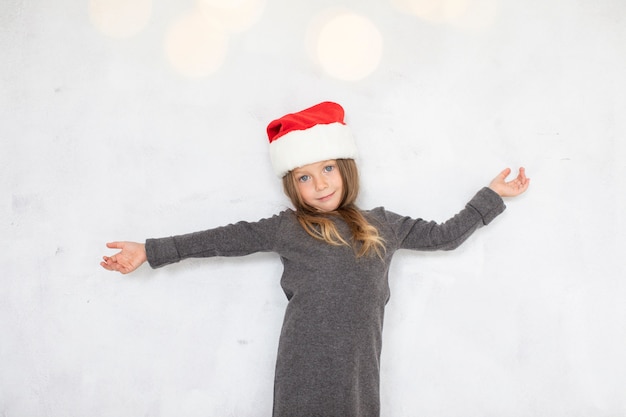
(486, 205)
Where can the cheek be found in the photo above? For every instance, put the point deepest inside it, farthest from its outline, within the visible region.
(338, 181)
(304, 189)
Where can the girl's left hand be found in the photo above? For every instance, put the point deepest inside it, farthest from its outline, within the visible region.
(512, 188)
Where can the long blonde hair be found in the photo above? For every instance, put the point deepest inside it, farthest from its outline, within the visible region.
(365, 238)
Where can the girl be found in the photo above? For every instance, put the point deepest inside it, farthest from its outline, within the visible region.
(336, 260)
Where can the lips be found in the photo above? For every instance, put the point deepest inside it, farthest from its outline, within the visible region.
(326, 198)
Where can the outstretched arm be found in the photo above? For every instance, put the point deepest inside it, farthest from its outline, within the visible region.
(511, 188)
(131, 256)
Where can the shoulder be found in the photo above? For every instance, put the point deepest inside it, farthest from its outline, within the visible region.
(284, 214)
(284, 217)
(269, 225)
(386, 221)
(381, 214)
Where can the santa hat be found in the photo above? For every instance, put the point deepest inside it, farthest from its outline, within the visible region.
(311, 135)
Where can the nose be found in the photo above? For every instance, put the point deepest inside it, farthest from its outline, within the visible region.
(321, 184)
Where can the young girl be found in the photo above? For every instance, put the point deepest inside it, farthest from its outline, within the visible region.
(336, 260)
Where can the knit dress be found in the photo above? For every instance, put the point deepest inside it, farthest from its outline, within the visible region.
(328, 358)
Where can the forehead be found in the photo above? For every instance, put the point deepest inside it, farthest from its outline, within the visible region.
(315, 166)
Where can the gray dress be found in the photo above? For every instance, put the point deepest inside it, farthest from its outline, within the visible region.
(329, 350)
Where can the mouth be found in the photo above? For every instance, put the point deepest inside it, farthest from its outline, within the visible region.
(326, 198)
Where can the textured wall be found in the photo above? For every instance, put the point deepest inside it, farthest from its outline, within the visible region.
(127, 120)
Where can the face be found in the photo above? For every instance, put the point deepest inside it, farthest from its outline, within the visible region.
(320, 185)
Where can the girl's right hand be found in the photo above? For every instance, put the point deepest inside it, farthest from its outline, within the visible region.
(131, 256)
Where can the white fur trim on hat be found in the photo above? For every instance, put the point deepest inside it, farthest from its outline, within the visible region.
(318, 143)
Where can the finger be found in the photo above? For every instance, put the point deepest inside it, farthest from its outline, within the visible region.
(505, 173)
(115, 245)
(522, 187)
(110, 262)
(526, 183)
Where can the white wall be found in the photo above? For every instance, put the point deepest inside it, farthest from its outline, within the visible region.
(103, 138)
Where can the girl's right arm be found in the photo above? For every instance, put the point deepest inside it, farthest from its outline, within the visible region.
(237, 239)
(130, 257)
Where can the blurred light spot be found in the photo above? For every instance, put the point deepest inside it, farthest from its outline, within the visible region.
(195, 46)
(120, 18)
(433, 10)
(234, 15)
(480, 14)
(469, 14)
(346, 46)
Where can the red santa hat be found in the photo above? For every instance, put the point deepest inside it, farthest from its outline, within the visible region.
(311, 135)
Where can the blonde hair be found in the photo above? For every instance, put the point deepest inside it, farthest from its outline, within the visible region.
(365, 238)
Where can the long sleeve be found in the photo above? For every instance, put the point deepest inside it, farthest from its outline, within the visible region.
(419, 234)
(237, 239)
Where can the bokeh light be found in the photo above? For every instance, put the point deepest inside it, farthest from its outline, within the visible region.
(195, 46)
(347, 46)
(120, 18)
(479, 14)
(233, 15)
(468, 14)
(433, 10)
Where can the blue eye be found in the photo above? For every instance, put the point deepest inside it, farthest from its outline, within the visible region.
(329, 168)
(304, 178)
